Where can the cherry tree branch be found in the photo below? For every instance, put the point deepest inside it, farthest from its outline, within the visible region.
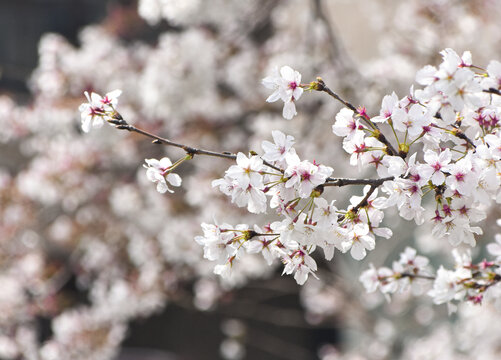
(363, 202)
(457, 132)
(121, 124)
(417, 276)
(461, 135)
(163, 141)
(492, 91)
(319, 85)
(343, 182)
(322, 87)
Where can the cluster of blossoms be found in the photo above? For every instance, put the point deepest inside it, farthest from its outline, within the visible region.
(455, 118)
(309, 221)
(410, 270)
(473, 282)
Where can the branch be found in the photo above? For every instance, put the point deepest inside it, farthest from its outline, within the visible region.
(343, 182)
(189, 150)
(492, 91)
(320, 86)
(457, 132)
(461, 135)
(363, 202)
(417, 276)
(121, 124)
(374, 183)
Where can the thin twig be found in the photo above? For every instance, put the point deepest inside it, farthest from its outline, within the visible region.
(190, 150)
(492, 91)
(326, 89)
(343, 182)
(320, 86)
(461, 135)
(122, 125)
(457, 132)
(363, 202)
(418, 276)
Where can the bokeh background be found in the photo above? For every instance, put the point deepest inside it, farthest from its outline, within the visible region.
(97, 265)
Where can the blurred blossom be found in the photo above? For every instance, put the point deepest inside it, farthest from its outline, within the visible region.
(232, 350)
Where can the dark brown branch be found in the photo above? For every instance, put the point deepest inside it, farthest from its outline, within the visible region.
(461, 135)
(417, 276)
(320, 86)
(343, 182)
(123, 125)
(363, 202)
(374, 183)
(492, 91)
(457, 132)
(189, 150)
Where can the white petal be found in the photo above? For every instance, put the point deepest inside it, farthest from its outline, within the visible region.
(162, 187)
(287, 73)
(114, 94)
(164, 163)
(297, 92)
(289, 110)
(358, 251)
(174, 179)
(274, 96)
(86, 123)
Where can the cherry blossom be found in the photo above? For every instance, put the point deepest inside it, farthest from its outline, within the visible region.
(388, 106)
(346, 124)
(286, 84)
(434, 163)
(98, 109)
(278, 151)
(159, 172)
(301, 264)
(305, 176)
(359, 241)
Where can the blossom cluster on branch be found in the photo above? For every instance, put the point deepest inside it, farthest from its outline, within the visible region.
(444, 141)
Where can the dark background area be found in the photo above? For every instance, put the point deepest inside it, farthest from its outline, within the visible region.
(23, 22)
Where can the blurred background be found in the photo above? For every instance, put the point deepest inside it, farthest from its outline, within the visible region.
(22, 23)
(95, 264)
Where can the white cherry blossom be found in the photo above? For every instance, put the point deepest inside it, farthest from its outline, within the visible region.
(359, 241)
(286, 84)
(276, 152)
(305, 176)
(159, 172)
(434, 164)
(98, 109)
